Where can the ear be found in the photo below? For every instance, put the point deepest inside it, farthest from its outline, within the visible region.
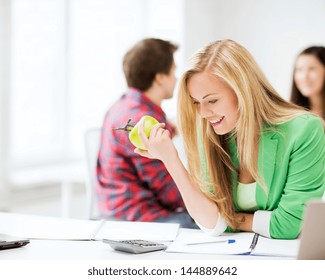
(160, 77)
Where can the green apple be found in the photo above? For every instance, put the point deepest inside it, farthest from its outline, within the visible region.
(134, 137)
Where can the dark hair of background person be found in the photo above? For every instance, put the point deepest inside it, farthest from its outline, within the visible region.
(146, 59)
(296, 96)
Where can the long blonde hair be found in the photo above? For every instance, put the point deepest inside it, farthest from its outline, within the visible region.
(258, 104)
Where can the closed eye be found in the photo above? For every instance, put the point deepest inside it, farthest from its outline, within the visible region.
(213, 101)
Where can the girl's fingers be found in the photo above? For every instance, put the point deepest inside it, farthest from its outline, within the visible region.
(157, 127)
(142, 134)
(141, 152)
(160, 132)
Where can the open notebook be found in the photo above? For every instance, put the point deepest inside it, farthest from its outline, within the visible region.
(310, 245)
(43, 227)
(243, 243)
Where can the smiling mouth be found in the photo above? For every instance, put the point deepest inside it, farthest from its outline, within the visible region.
(217, 121)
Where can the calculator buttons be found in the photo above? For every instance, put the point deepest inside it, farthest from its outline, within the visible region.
(135, 246)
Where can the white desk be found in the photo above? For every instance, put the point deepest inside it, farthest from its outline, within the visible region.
(96, 250)
(71, 233)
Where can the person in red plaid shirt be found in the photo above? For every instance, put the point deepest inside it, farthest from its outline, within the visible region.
(131, 187)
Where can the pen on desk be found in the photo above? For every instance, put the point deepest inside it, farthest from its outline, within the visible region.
(229, 241)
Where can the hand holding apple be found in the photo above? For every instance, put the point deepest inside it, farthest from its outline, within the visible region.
(148, 123)
(159, 145)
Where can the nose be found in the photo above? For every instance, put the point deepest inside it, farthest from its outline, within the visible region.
(204, 111)
(303, 75)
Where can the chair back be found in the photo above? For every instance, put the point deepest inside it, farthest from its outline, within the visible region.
(92, 144)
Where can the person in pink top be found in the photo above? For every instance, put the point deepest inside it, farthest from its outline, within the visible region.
(308, 86)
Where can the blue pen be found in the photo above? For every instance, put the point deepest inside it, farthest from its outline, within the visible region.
(229, 241)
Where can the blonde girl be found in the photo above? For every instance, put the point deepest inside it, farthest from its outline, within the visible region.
(254, 159)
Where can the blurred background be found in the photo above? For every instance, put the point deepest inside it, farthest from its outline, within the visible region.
(61, 69)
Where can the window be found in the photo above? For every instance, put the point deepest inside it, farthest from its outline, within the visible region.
(66, 68)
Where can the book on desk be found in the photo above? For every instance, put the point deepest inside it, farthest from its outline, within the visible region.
(45, 227)
(243, 243)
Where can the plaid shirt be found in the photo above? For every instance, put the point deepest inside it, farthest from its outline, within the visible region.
(130, 186)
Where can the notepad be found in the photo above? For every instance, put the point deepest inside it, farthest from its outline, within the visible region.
(245, 244)
(44, 227)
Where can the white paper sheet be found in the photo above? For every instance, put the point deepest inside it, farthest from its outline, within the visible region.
(240, 246)
(276, 247)
(243, 241)
(44, 227)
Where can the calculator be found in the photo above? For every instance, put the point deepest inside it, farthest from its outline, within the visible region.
(135, 246)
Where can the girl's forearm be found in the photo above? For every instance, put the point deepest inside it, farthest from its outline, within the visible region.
(247, 224)
(201, 208)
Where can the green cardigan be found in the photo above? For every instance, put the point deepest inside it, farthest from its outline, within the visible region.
(291, 161)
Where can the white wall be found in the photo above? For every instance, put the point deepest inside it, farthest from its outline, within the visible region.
(4, 96)
(274, 31)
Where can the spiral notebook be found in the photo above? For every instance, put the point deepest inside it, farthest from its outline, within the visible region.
(243, 243)
(310, 244)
